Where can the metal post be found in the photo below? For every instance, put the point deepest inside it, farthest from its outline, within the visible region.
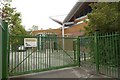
(96, 52)
(5, 51)
(63, 35)
(1, 30)
(118, 56)
(74, 49)
(78, 51)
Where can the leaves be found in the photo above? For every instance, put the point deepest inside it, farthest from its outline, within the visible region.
(13, 18)
(33, 28)
(105, 17)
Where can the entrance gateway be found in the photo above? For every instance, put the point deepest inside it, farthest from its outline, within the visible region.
(98, 52)
(29, 54)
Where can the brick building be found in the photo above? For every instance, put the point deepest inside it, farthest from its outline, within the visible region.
(77, 15)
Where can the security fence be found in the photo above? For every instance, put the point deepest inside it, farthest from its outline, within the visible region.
(101, 53)
(30, 54)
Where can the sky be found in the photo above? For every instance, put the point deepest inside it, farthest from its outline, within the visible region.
(37, 12)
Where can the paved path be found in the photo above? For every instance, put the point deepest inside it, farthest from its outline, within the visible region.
(72, 72)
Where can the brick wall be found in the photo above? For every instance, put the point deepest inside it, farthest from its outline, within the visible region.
(73, 30)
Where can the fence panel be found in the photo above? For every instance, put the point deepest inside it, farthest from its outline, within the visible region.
(50, 53)
(101, 53)
(108, 54)
(87, 52)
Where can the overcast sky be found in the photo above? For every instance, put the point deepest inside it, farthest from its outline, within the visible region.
(37, 12)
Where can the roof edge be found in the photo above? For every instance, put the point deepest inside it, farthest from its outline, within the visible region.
(73, 11)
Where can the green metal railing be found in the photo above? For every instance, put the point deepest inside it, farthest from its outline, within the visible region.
(4, 49)
(1, 30)
(49, 54)
(98, 52)
(101, 53)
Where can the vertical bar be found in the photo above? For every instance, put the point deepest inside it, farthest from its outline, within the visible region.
(112, 53)
(63, 36)
(118, 37)
(44, 52)
(5, 51)
(115, 52)
(21, 69)
(8, 52)
(99, 50)
(78, 51)
(47, 50)
(100, 40)
(106, 43)
(16, 61)
(23, 56)
(1, 31)
(63, 48)
(12, 62)
(58, 51)
(74, 49)
(38, 52)
(107, 56)
(113, 49)
(28, 60)
(96, 52)
(50, 58)
(31, 60)
(43, 48)
(26, 64)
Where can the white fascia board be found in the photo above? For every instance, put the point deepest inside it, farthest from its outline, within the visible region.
(80, 17)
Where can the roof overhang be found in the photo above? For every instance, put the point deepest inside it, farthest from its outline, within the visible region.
(76, 14)
(80, 9)
(73, 11)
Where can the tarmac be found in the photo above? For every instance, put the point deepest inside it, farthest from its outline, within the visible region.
(71, 72)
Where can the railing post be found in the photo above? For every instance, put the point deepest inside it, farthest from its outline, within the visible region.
(5, 51)
(118, 56)
(96, 52)
(74, 49)
(1, 30)
(78, 51)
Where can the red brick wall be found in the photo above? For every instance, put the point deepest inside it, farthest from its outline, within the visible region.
(70, 30)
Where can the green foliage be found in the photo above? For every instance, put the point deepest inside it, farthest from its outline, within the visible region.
(13, 18)
(33, 28)
(105, 17)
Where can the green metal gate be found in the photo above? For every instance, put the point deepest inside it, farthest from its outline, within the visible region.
(101, 53)
(50, 53)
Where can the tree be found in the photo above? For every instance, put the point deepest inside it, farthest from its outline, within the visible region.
(33, 28)
(105, 17)
(13, 18)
